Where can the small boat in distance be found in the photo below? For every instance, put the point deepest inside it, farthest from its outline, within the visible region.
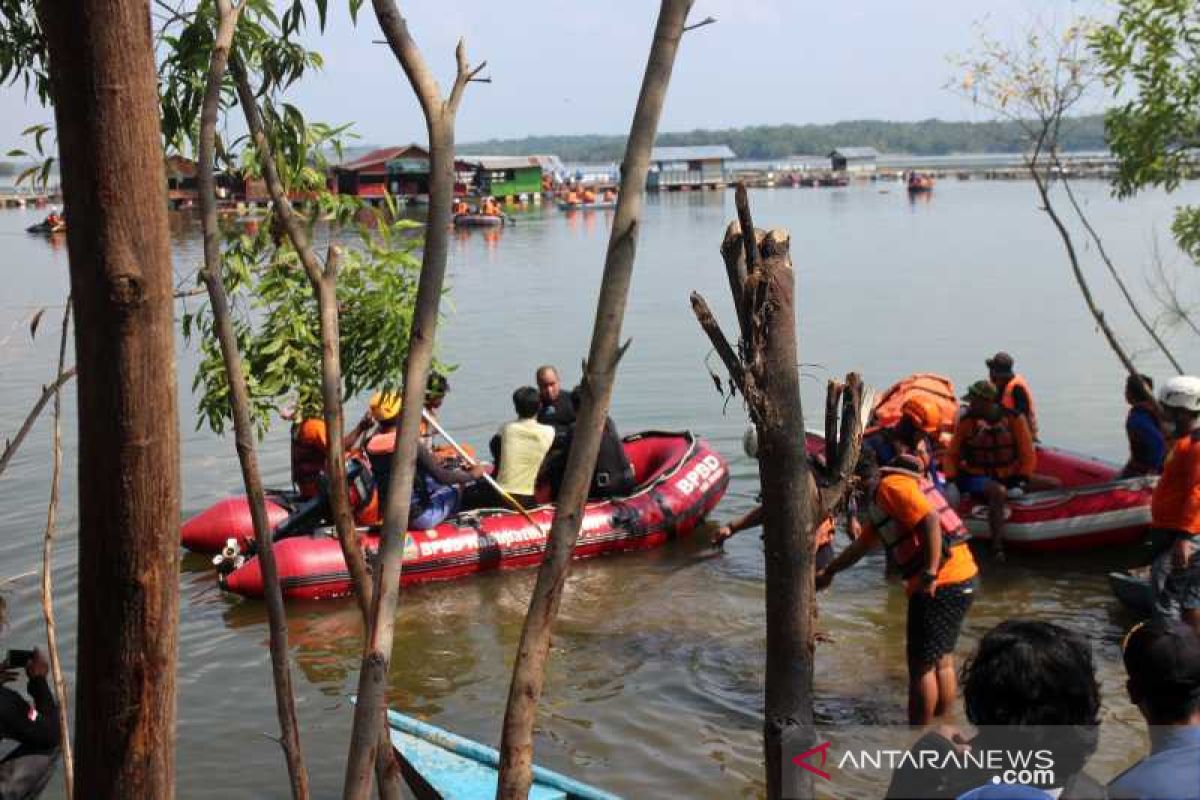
(52, 224)
(437, 764)
(477, 220)
(918, 182)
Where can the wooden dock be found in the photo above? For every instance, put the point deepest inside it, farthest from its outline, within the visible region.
(16, 198)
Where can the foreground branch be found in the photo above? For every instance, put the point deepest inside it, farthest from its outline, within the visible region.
(239, 401)
(56, 672)
(369, 737)
(529, 670)
(11, 446)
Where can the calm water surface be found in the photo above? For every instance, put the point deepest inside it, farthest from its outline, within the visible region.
(655, 684)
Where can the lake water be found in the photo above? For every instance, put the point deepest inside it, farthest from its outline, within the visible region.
(655, 684)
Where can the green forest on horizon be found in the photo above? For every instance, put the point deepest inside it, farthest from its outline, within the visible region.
(931, 137)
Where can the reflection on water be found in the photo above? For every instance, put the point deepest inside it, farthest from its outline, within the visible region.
(654, 687)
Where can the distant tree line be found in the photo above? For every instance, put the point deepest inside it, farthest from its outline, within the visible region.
(929, 137)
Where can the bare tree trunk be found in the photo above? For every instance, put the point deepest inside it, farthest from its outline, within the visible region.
(788, 519)
(529, 670)
(60, 683)
(104, 85)
(324, 284)
(762, 282)
(239, 401)
(370, 730)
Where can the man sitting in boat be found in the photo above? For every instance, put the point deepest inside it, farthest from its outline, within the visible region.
(555, 408)
(437, 489)
(589, 196)
(991, 454)
(610, 196)
(310, 447)
(920, 420)
(1175, 508)
(613, 476)
(491, 208)
(1143, 427)
(520, 448)
(1012, 389)
(461, 207)
(572, 197)
(25, 771)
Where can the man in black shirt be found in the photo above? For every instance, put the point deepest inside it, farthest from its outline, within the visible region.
(26, 770)
(556, 407)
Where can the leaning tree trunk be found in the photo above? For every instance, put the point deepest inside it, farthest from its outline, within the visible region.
(529, 670)
(370, 732)
(104, 84)
(239, 400)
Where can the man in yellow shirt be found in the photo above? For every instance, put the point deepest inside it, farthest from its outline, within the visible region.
(520, 447)
(928, 542)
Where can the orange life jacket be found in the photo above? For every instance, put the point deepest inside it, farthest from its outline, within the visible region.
(905, 544)
(990, 449)
(1010, 402)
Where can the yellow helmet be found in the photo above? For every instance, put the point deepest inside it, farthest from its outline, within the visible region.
(385, 406)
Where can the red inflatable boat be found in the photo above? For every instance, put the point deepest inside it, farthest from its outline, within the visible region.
(1094, 508)
(680, 479)
(227, 519)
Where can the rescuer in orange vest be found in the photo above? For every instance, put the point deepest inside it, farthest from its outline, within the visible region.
(1013, 389)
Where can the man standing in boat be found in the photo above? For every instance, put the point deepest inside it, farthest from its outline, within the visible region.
(1175, 508)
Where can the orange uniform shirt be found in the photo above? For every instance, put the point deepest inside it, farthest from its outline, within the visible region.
(1025, 464)
(902, 499)
(1176, 502)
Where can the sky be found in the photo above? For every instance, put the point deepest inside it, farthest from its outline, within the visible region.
(574, 66)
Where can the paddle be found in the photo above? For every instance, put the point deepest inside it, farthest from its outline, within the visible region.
(512, 501)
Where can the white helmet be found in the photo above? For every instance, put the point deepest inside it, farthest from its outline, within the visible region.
(1182, 391)
(750, 441)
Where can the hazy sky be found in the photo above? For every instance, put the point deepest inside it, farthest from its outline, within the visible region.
(574, 66)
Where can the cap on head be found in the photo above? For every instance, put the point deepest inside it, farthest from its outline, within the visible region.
(981, 390)
(1001, 364)
(385, 406)
(1182, 391)
(923, 412)
(1163, 658)
(312, 432)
